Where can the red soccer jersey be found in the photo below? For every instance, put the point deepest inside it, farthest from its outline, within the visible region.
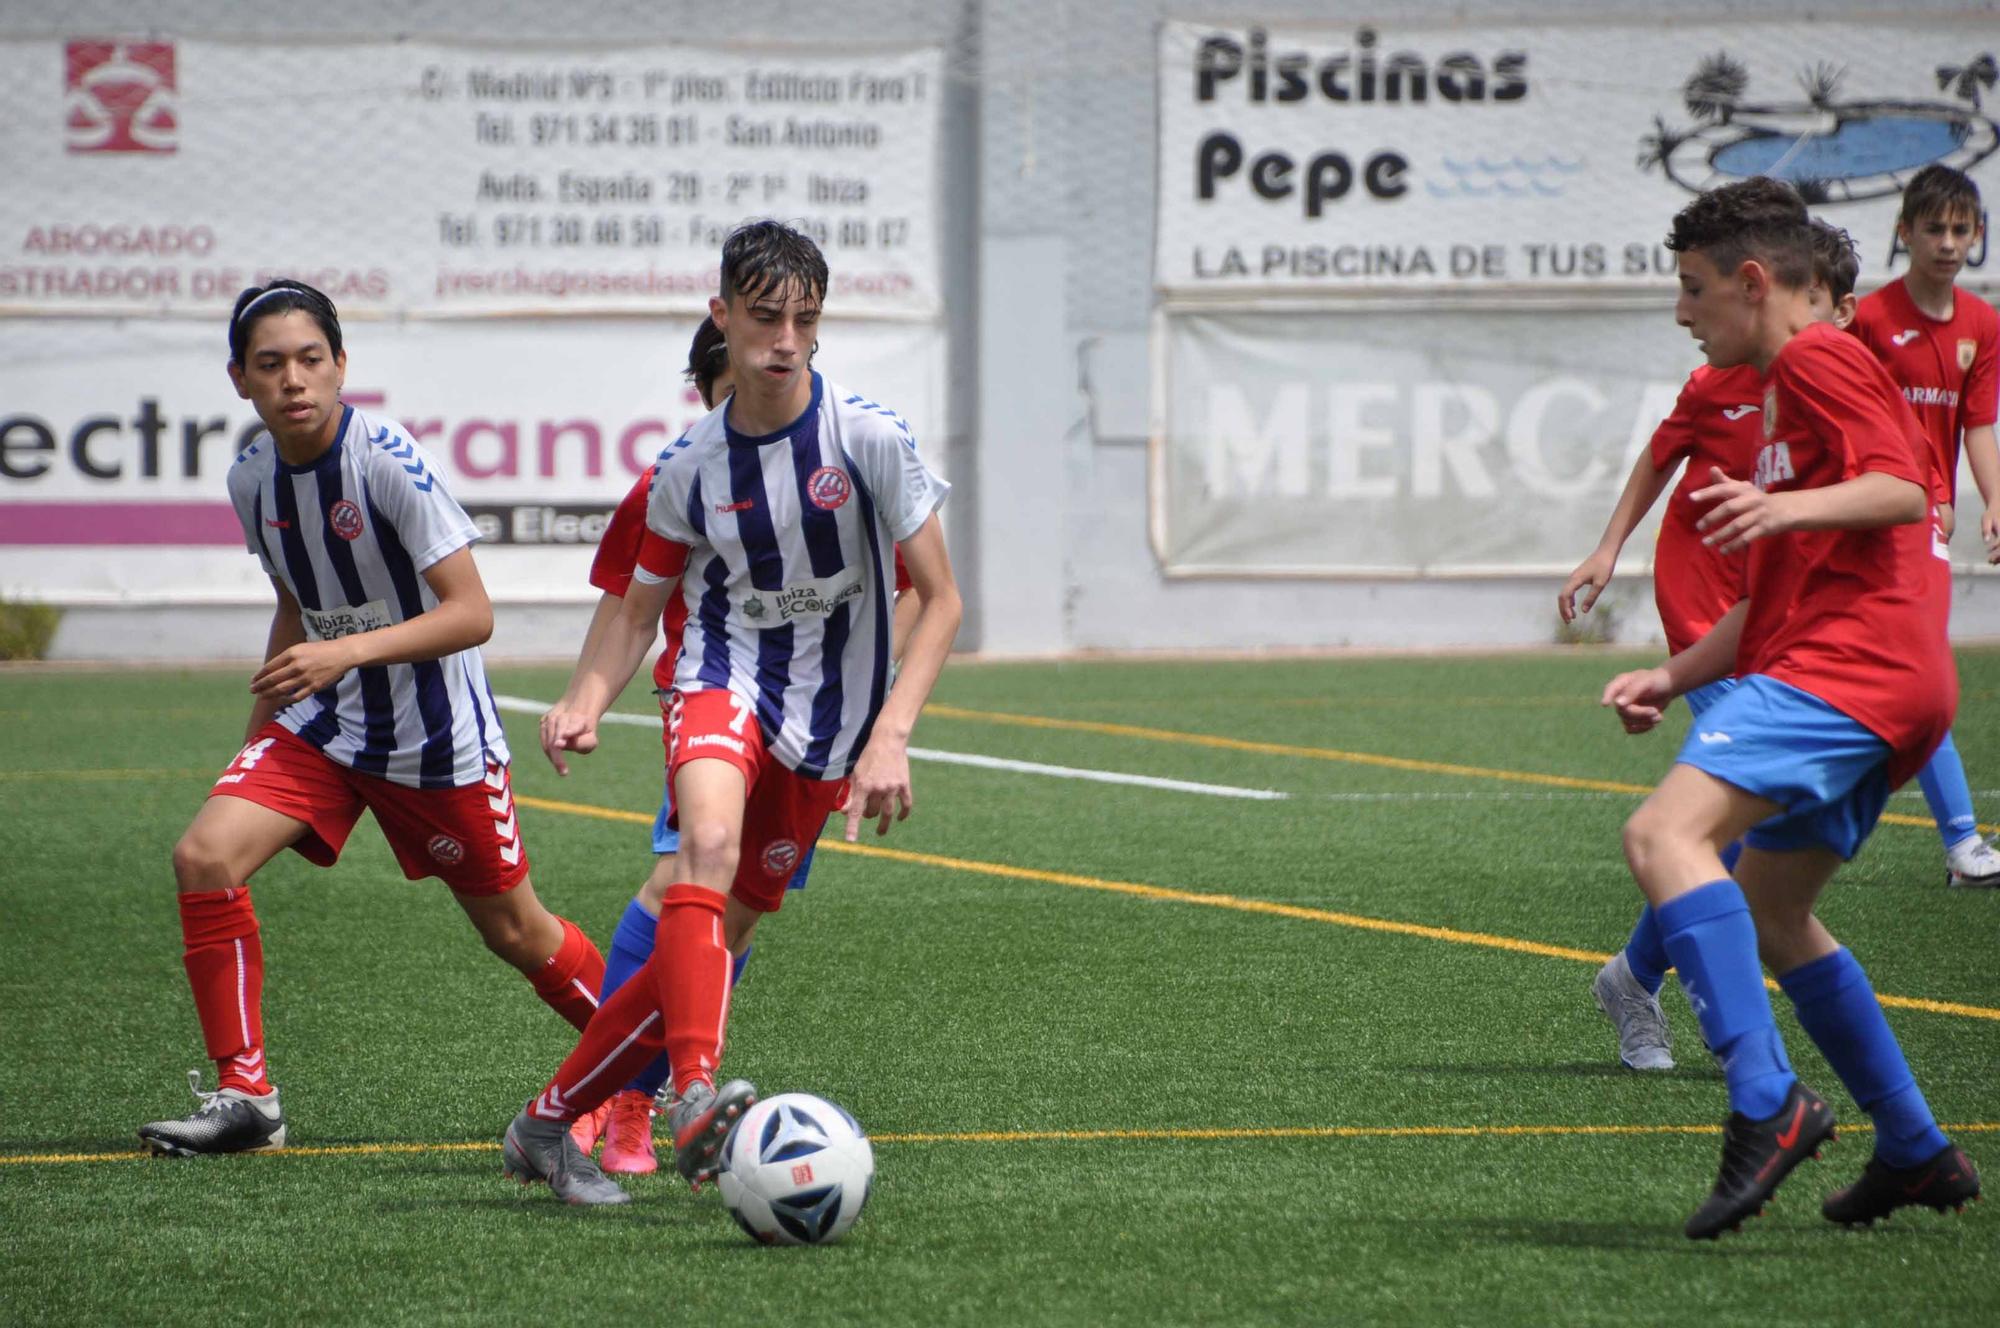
(1948, 368)
(618, 554)
(1717, 422)
(1855, 617)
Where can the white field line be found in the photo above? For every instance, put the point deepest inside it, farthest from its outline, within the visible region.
(524, 705)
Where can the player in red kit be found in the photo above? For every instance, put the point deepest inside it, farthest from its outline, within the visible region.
(1846, 685)
(1942, 347)
(1717, 424)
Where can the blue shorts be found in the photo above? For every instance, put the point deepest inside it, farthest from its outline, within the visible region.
(1701, 698)
(666, 839)
(1828, 771)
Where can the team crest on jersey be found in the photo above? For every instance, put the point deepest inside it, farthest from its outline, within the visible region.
(781, 857)
(1770, 411)
(827, 487)
(345, 518)
(1968, 351)
(446, 850)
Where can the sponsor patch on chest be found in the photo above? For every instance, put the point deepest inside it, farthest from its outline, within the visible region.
(345, 619)
(802, 599)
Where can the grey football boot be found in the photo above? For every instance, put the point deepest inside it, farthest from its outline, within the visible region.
(227, 1121)
(543, 1150)
(701, 1119)
(1643, 1040)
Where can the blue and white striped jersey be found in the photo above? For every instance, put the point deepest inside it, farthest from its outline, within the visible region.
(790, 582)
(351, 536)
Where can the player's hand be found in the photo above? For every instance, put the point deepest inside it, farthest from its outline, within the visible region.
(565, 730)
(1640, 698)
(295, 673)
(879, 790)
(1741, 512)
(1593, 573)
(1989, 531)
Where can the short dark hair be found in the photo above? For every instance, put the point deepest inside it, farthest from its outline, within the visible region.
(282, 296)
(1760, 218)
(1938, 191)
(1836, 263)
(767, 257)
(708, 356)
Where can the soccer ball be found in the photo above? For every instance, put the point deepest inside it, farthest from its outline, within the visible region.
(796, 1171)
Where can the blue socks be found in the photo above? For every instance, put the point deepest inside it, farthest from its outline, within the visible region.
(1950, 797)
(1838, 1010)
(631, 947)
(1713, 943)
(1645, 952)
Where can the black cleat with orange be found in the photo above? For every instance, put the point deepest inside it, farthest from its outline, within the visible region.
(1948, 1180)
(1757, 1155)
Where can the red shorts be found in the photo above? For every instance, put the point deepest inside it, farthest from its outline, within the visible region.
(466, 837)
(784, 811)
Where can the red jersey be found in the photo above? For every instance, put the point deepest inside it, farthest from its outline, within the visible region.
(1717, 422)
(1855, 617)
(1948, 368)
(618, 554)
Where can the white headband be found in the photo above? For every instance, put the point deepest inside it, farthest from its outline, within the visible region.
(275, 290)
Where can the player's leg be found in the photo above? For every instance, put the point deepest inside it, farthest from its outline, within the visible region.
(1913, 1162)
(1969, 859)
(277, 792)
(469, 837)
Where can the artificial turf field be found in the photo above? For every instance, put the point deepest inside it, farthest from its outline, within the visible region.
(1129, 1054)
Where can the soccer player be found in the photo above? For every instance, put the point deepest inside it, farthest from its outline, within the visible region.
(625, 1123)
(776, 519)
(1942, 347)
(1716, 424)
(372, 697)
(1801, 755)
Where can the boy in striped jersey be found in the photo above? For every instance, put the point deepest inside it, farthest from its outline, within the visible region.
(372, 697)
(625, 1123)
(776, 518)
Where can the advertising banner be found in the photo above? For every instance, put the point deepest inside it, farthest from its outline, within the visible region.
(1369, 441)
(415, 177)
(115, 437)
(1485, 155)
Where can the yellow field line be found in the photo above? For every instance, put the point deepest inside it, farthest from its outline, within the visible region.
(1238, 903)
(1059, 1136)
(1329, 754)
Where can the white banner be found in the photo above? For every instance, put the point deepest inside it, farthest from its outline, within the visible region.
(1366, 440)
(1480, 155)
(418, 177)
(115, 438)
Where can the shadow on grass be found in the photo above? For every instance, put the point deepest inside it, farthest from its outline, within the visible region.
(1651, 1237)
(1700, 1073)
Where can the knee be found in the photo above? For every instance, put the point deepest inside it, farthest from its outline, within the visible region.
(1645, 838)
(709, 851)
(199, 865)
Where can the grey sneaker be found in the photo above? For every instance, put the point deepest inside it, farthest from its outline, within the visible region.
(227, 1121)
(543, 1150)
(1643, 1040)
(701, 1119)
(1972, 864)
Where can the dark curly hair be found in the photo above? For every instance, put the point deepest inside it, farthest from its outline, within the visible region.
(280, 297)
(708, 356)
(768, 257)
(1836, 264)
(1761, 219)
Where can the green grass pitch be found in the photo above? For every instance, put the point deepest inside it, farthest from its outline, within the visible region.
(1096, 1100)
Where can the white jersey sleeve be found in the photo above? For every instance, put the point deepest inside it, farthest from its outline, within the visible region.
(884, 451)
(245, 478)
(405, 486)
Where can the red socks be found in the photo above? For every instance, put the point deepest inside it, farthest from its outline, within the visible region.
(569, 979)
(224, 957)
(690, 970)
(622, 1040)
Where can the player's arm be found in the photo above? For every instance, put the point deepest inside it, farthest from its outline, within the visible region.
(1740, 512)
(462, 619)
(1642, 489)
(880, 785)
(619, 649)
(287, 630)
(556, 719)
(1982, 453)
(1641, 696)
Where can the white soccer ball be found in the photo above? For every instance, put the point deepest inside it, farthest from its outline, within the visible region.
(796, 1171)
